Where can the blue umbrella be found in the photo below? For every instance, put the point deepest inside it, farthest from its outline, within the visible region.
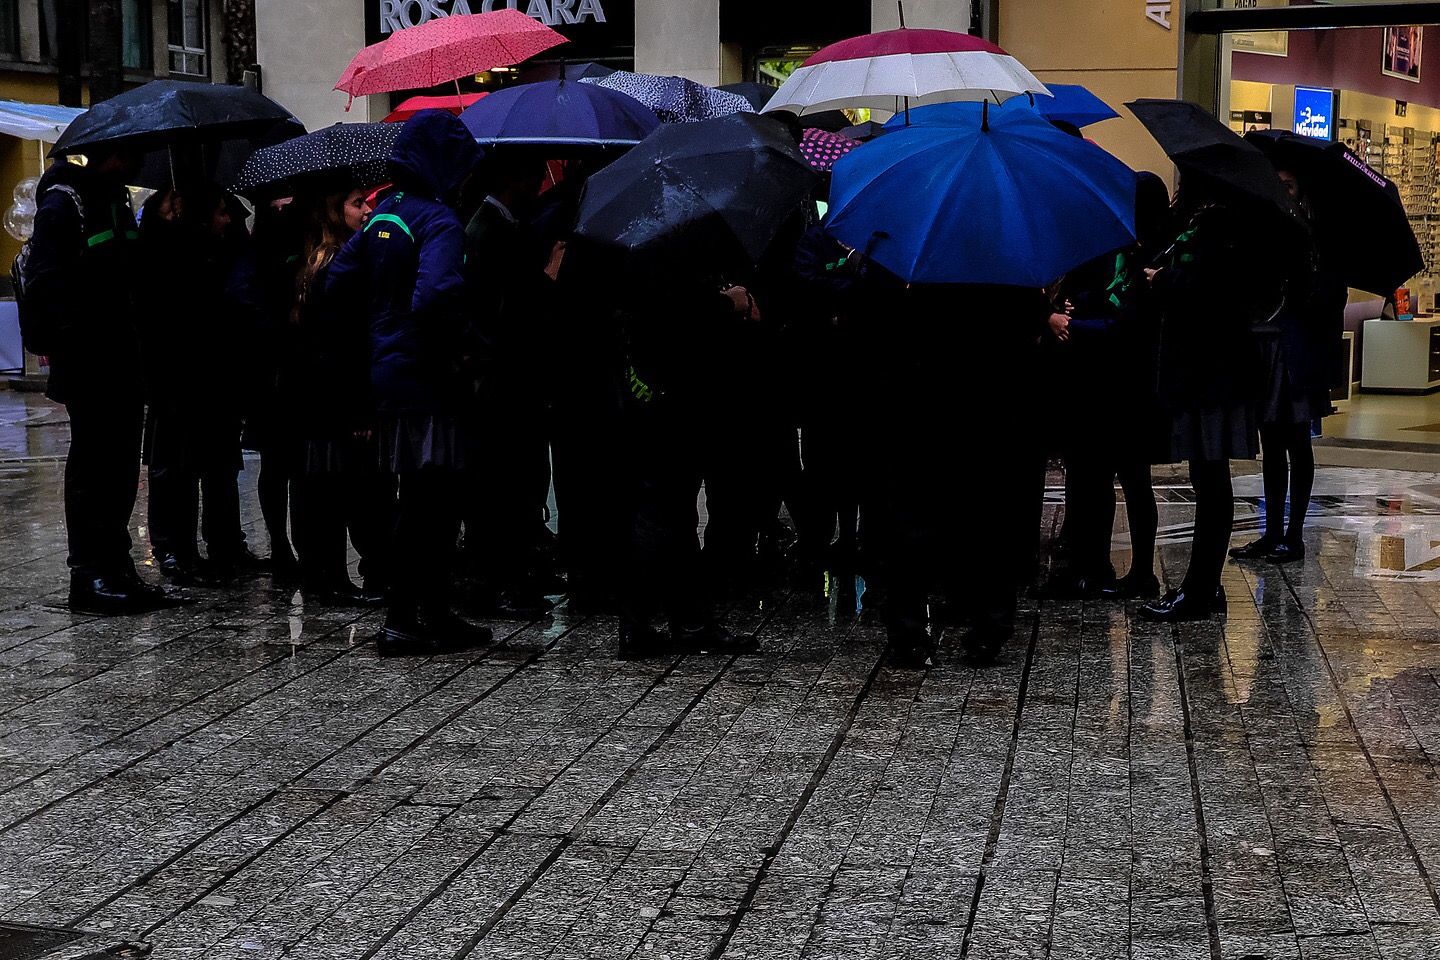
(559, 113)
(1073, 104)
(675, 99)
(1007, 199)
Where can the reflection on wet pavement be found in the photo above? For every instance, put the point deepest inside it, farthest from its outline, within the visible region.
(245, 778)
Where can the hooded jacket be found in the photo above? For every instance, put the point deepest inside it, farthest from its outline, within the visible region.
(81, 274)
(404, 272)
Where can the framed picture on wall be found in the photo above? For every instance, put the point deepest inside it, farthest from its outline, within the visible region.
(1401, 54)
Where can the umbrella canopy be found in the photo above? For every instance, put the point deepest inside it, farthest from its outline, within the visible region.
(899, 68)
(209, 161)
(675, 99)
(1360, 222)
(1205, 149)
(1045, 201)
(756, 94)
(1072, 103)
(560, 113)
(170, 111)
(35, 121)
(346, 153)
(454, 103)
(715, 190)
(822, 149)
(444, 50)
(868, 130)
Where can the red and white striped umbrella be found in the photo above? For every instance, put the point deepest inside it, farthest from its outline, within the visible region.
(900, 68)
(444, 50)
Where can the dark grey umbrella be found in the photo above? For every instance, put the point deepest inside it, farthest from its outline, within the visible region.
(169, 112)
(346, 153)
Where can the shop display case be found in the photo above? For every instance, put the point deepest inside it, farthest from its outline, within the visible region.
(1401, 356)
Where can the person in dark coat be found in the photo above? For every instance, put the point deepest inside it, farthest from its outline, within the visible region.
(936, 338)
(1217, 281)
(671, 382)
(196, 326)
(512, 297)
(403, 277)
(338, 484)
(80, 273)
(1298, 358)
(273, 358)
(1110, 337)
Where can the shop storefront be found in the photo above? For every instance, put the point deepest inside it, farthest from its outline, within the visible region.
(303, 47)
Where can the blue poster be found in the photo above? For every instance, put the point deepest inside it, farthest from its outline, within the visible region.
(1314, 110)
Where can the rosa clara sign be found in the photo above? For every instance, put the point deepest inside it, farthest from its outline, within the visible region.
(399, 14)
(1158, 11)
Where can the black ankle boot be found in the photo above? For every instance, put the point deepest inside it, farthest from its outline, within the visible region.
(1133, 587)
(1181, 606)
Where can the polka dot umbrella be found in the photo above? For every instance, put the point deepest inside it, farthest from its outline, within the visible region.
(444, 50)
(346, 154)
(821, 148)
(675, 99)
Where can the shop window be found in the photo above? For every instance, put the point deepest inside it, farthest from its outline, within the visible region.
(138, 53)
(9, 28)
(189, 38)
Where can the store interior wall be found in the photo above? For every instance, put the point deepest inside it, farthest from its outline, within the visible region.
(1109, 46)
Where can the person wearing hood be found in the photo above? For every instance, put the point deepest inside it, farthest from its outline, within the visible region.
(78, 283)
(404, 275)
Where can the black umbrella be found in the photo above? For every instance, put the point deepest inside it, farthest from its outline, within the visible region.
(346, 153)
(758, 94)
(167, 112)
(539, 72)
(716, 190)
(1204, 148)
(832, 120)
(868, 130)
(1360, 220)
(209, 161)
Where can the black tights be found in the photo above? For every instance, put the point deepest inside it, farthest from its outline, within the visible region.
(277, 470)
(1289, 467)
(1143, 515)
(1214, 522)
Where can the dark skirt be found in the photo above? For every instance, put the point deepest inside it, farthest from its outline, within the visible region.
(1282, 404)
(1214, 432)
(420, 441)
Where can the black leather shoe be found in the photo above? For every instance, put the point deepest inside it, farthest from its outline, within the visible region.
(712, 638)
(1254, 550)
(340, 593)
(1179, 606)
(640, 641)
(409, 633)
(373, 593)
(1287, 551)
(187, 573)
(983, 643)
(910, 648)
(113, 596)
(1131, 587)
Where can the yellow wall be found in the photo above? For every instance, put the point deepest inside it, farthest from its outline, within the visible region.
(20, 158)
(1107, 46)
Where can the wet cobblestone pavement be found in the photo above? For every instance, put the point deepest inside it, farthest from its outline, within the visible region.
(245, 778)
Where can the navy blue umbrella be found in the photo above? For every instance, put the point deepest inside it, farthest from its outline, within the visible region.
(1073, 104)
(1004, 199)
(559, 113)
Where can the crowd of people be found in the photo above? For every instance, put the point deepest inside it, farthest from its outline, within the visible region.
(419, 363)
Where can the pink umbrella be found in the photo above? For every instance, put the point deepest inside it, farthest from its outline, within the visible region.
(414, 105)
(821, 148)
(444, 50)
(901, 68)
